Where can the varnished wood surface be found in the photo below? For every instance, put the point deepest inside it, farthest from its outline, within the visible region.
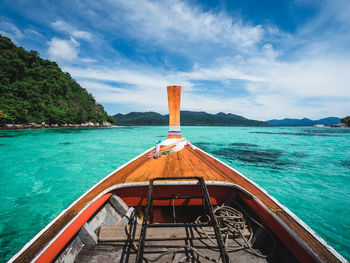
(174, 96)
(189, 162)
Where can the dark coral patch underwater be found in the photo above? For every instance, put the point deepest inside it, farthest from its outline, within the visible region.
(345, 163)
(250, 154)
(242, 144)
(299, 134)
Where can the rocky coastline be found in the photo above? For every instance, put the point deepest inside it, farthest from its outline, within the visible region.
(44, 125)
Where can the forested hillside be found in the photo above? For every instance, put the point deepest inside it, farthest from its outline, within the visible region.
(346, 121)
(188, 118)
(36, 90)
(304, 122)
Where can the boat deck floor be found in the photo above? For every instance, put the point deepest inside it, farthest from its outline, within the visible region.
(112, 235)
(163, 244)
(155, 251)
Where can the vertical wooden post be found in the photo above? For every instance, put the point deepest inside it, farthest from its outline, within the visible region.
(174, 95)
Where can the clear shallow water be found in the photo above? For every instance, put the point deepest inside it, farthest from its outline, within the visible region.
(44, 171)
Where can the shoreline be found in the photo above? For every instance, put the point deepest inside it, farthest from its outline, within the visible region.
(44, 125)
(108, 124)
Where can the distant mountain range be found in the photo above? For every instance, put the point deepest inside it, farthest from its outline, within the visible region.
(188, 118)
(304, 122)
(200, 118)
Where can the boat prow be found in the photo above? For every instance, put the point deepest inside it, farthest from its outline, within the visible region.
(182, 205)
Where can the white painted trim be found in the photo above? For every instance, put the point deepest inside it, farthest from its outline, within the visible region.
(290, 213)
(65, 210)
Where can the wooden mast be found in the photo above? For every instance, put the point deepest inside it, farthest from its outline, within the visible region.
(174, 95)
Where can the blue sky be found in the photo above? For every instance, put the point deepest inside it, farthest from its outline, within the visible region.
(259, 59)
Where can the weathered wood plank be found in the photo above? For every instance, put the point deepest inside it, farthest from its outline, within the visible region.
(116, 253)
(120, 233)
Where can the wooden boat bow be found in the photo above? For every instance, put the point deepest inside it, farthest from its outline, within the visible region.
(130, 184)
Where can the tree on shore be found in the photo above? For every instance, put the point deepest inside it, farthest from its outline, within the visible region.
(346, 121)
(36, 90)
(2, 115)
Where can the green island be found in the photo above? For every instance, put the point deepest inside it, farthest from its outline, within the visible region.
(346, 121)
(35, 92)
(188, 118)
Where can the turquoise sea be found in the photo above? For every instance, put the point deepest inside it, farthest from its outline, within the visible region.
(43, 171)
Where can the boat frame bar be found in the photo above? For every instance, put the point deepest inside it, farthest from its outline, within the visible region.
(207, 205)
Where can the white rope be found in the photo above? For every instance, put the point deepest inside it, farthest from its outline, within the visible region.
(167, 148)
(232, 225)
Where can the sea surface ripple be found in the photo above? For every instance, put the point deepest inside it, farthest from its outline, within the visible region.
(43, 171)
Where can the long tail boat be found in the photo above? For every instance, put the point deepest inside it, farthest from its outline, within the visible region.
(176, 203)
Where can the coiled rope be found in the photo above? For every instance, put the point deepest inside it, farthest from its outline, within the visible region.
(232, 224)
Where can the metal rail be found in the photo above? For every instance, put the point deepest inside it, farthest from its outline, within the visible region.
(207, 207)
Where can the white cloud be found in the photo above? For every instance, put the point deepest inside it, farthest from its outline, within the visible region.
(72, 31)
(68, 50)
(310, 77)
(94, 86)
(314, 87)
(221, 73)
(282, 74)
(141, 97)
(165, 21)
(131, 77)
(62, 50)
(88, 60)
(155, 98)
(11, 31)
(33, 32)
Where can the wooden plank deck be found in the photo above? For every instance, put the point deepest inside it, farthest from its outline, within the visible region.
(120, 233)
(123, 253)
